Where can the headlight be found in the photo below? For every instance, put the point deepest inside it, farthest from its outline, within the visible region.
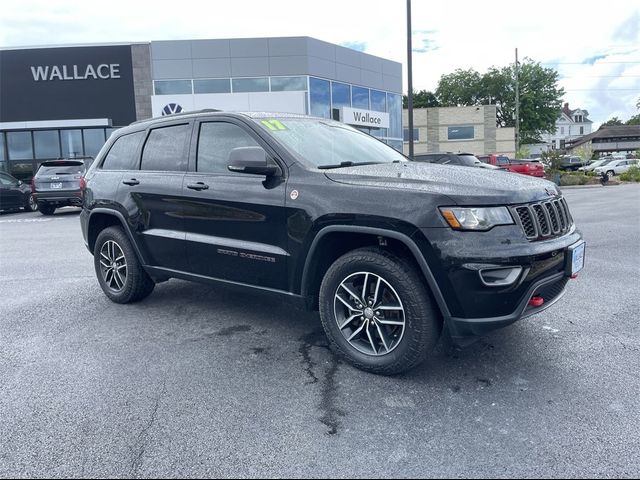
(476, 218)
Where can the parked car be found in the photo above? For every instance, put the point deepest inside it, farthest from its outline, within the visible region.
(57, 183)
(593, 165)
(390, 251)
(616, 167)
(14, 194)
(448, 158)
(572, 164)
(533, 168)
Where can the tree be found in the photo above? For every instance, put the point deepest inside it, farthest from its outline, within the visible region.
(612, 122)
(585, 152)
(540, 96)
(421, 99)
(635, 120)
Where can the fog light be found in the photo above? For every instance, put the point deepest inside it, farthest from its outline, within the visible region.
(536, 301)
(500, 277)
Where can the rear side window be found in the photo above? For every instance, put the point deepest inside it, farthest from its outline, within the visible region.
(122, 155)
(164, 150)
(216, 141)
(502, 160)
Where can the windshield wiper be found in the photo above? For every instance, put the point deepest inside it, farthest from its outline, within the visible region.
(350, 164)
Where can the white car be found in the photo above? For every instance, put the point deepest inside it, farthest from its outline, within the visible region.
(598, 163)
(616, 167)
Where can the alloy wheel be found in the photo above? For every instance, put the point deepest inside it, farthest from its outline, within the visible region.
(113, 266)
(369, 313)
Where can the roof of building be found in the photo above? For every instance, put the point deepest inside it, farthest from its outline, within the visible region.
(569, 113)
(609, 132)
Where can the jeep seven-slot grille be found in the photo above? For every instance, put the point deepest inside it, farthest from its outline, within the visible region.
(544, 219)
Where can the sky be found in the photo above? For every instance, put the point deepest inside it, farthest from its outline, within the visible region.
(594, 47)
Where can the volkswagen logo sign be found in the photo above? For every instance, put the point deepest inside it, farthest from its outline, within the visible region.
(171, 108)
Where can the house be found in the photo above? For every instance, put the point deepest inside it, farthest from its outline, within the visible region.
(610, 139)
(571, 125)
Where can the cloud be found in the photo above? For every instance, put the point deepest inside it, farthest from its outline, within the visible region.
(629, 30)
(359, 46)
(427, 44)
(594, 59)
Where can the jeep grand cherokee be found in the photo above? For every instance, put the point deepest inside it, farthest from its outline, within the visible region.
(390, 251)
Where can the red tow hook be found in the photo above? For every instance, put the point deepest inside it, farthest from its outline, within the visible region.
(574, 276)
(536, 301)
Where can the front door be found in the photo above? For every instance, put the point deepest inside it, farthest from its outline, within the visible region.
(234, 222)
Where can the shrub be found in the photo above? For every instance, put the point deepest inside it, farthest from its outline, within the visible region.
(574, 179)
(631, 175)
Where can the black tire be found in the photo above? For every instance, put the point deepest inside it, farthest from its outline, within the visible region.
(46, 209)
(422, 320)
(31, 205)
(137, 283)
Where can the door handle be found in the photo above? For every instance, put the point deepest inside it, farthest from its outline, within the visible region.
(131, 182)
(198, 186)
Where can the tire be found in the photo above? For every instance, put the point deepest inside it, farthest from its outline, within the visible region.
(403, 299)
(611, 173)
(31, 205)
(46, 209)
(132, 283)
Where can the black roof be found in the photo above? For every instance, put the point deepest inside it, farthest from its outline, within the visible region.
(609, 132)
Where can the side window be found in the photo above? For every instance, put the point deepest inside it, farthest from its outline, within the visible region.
(122, 155)
(215, 143)
(164, 149)
(5, 180)
(502, 160)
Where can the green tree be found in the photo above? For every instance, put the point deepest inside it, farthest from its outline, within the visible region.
(540, 96)
(612, 122)
(421, 99)
(635, 120)
(585, 152)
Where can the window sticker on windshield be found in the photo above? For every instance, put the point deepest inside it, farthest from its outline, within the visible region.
(274, 125)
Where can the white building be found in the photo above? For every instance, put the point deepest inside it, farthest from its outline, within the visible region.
(571, 125)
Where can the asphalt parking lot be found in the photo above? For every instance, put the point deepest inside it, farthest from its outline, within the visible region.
(206, 381)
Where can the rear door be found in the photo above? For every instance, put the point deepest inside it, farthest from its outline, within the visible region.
(59, 176)
(151, 195)
(10, 195)
(235, 222)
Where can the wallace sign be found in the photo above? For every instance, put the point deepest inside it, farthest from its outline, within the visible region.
(67, 83)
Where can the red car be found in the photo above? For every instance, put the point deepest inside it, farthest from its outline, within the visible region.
(525, 167)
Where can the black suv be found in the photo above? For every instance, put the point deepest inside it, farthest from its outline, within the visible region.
(390, 251)
(58, 183)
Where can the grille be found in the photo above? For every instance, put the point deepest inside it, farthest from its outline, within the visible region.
(544, 219)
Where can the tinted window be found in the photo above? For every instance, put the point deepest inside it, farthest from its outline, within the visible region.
(460, 133)
(320, 96)
(20, 147)
(93, 141)
(283, 84)
(216, 85)
(216, 141)
(46, 144)
(7, 180)
(468, 160)
(122, 155)
(172, 87)
(164, 149)
(61, 168)
(250, 84)
(71, 143)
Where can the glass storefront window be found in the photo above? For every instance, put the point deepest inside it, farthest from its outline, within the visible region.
(340, 95)
(378, 101)
(394, 102)
(19, 144)
(172, 87)
(214, 85)
(250, 84)
(71, 143)
(320, 96)
(2, 155)
(46, 144)
(282, 84)
(360, 97)
(93, 141)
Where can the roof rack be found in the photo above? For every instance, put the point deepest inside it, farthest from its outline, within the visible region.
(180, 114)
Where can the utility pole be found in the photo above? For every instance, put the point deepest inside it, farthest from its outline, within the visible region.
(410, 78)
(517, 104)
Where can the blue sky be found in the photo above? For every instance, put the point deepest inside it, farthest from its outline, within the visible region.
(596, 51)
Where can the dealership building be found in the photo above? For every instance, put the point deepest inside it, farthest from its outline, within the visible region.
(64, 102)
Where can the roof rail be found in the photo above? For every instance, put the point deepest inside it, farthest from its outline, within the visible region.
(180, 114)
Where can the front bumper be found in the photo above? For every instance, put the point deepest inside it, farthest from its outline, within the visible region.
(474, 308)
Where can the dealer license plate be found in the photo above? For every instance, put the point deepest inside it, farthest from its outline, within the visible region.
(576, 258)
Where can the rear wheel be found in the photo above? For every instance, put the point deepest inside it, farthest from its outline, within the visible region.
(611, 173)
(31, 205)
(118, 269)
(377, 312)
(46, 209)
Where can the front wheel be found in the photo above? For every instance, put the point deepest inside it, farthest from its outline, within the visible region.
(377, 312)
(118, 269)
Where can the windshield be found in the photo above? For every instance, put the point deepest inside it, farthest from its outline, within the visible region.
(61, 168)
(326, 143)
(468, 160)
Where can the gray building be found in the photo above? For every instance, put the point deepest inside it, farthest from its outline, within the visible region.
(65, 101)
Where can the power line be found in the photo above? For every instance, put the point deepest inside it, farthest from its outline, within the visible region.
(587, 63)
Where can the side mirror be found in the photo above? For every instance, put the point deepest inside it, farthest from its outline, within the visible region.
(252, 160)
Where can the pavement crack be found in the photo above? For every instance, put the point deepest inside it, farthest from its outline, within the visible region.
(142, 439)
(330, 414)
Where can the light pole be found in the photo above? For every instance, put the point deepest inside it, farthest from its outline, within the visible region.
(410, 78)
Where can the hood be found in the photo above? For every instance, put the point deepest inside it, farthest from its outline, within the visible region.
(464, 185)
